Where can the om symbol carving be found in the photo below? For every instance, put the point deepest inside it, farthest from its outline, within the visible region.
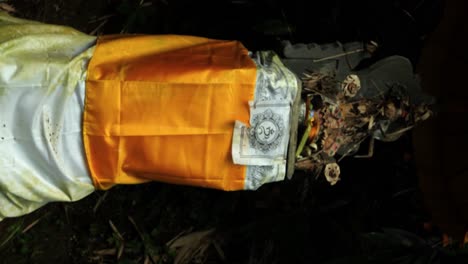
(267, 131)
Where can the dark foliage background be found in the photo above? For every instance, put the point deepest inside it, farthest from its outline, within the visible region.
(374, 215)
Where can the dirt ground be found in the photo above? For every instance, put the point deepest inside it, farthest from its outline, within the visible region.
(374, 215)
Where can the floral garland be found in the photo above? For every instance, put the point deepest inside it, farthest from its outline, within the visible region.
(337, 121)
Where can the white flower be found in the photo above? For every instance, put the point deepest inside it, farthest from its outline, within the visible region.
(332, 173)
(351, 85)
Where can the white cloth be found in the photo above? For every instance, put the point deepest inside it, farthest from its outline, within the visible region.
(42, 82)
(42, 88)
(263, 146)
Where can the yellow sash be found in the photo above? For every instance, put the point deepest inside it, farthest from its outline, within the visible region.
(163, 108)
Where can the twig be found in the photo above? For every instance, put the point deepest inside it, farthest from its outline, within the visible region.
(99, 202)
(115, 230)
(120, 237)
(121, 249)
(105, 252)
(147, 249)
(219, 250)
(370, 153)
(26, 229)
(339, 55)
(136, 227)
(408, 14)
(351, 149)
(101, 18)
(13, 233)
(98, 27)
(381, 92)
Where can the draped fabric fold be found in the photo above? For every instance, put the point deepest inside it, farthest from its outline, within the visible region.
(163, 107)
(42, 87)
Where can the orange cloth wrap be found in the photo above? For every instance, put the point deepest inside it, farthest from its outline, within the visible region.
(163, 108)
